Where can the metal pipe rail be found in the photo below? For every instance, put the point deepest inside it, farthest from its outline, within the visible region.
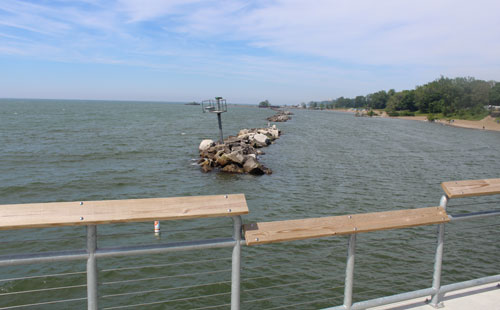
(270, 232)
(453, 189)
(92, 214)
(103, 212)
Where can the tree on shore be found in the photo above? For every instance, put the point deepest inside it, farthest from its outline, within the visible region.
(264, 104)
(312, 105)
(461, 97)
(378, 100)
(494, 95)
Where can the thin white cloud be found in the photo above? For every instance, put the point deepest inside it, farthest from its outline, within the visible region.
(142, 10)
(301, 44)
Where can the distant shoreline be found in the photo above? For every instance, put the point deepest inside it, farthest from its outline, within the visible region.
(487, 123)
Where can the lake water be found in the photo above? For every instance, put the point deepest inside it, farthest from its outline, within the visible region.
(325, 163)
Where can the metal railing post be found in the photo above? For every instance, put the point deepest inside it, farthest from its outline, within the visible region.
(236, 264)
(349, 272)
(91, 267)
(438, 261)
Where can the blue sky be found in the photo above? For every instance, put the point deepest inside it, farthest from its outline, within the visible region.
(246, 51)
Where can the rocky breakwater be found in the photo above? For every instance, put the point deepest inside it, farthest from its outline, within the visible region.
(238, 154)
(281, 116)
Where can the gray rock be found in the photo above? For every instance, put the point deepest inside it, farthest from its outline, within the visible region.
(243, 132)
(262, 139)
(236, 157)
(238, 154)
(253, 167)
(206, 144)
(233, 168)
(206, 166)
(223, 160)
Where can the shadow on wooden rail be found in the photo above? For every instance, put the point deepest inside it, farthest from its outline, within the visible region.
(280, 231)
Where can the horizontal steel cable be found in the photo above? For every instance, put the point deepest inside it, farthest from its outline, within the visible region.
(295, 262)
(276, 265)
(288, 295)
(165, 265)
(43, 276)
(303, 303)
(316, 257)
(395, 261)
(395, 246)
(167, 231)
(392, 276)
(144, 233)
(472, 204)
(282, 274)
(474, 227)
(379, 289)
(43, 290)
(42, 240)
(452, 239)
(431, 241)
(365, 254)
(288, 284)
(165, 277)
(44, 303)
(212, 307)
(165, 301)
(166, 289)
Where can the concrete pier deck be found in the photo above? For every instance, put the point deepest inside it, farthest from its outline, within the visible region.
(484, 297)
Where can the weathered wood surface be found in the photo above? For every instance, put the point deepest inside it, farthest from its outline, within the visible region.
(270, 232)
(119, 211)
(470, 188)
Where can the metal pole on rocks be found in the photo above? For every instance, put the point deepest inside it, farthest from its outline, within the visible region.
(220, 128)
(218, 106)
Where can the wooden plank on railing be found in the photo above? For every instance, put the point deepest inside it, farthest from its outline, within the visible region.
(119, 211)
(270, 232)
(470, 188)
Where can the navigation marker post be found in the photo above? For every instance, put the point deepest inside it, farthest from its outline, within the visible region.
(218, 106)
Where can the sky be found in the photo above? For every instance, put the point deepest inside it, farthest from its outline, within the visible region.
(245, 51)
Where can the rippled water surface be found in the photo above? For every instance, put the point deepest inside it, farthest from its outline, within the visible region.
(325, 163)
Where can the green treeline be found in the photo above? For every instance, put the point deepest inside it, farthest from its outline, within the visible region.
(462, 97)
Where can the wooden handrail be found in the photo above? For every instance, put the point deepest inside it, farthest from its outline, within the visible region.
(33, 215)
(470, 188)
(270, 232)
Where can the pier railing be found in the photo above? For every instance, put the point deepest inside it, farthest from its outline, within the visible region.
(94, 213)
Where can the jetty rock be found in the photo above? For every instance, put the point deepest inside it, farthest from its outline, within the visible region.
(281, 116)
(238, 154)
(205, 144)
(262, 139)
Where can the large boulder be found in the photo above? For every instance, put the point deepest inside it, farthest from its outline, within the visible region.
(206, 166)
(236, 157)
(206, 144)
(275, 133)
(222, 160)
(279, 117)
(261, 139)
(252, 166)
(238, 148)
(243, 132)
(233, 168)
(238, 154)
